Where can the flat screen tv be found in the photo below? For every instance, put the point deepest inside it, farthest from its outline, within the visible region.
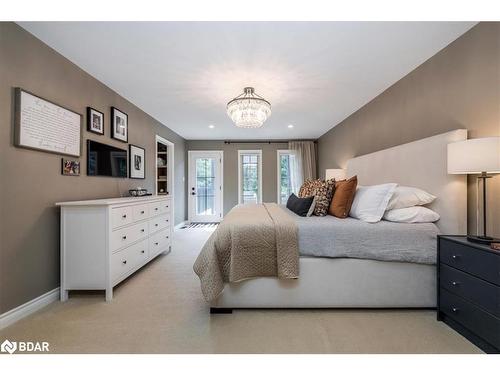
(105, 160)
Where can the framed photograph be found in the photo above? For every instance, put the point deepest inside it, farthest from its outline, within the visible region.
(95, 121)
(137, 162)
(70, 167)
(119, 125)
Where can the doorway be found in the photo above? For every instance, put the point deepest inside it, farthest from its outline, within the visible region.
(205, 186)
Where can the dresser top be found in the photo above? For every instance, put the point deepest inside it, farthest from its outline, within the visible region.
(111, 201)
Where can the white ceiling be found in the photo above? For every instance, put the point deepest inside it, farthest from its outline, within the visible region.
(315, 74)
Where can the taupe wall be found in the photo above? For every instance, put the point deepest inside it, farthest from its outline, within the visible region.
(31, 181)
(457, 88)
(269, 167)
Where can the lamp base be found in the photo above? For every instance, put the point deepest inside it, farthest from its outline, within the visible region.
(482, 239)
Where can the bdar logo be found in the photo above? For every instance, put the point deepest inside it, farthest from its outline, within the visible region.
(8, 347)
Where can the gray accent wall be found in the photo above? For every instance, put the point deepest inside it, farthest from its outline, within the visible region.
(269, 167)
(456, 88)
(31, 181)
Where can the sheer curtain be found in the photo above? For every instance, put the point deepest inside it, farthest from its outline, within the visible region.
(304, 162)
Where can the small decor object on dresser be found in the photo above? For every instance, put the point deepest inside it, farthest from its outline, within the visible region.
(70, 167)
(469, 290)
(137, 162)
(119, 125)
(95, 121)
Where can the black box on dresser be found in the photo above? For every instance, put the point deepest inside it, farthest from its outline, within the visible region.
(468, 298)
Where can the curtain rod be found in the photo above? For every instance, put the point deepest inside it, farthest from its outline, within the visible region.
(268, 142)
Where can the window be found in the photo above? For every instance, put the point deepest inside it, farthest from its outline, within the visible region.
(250, 176)
(286, 165)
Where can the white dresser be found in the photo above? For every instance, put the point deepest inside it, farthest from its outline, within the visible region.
(104, 241)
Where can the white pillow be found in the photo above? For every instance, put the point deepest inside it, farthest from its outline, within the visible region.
(416, 214)
(313, 206)
(405, 196)
(370, 202)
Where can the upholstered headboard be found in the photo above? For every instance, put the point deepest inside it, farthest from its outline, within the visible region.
(420, 164)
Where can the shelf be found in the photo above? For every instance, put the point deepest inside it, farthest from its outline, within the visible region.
(161, 166)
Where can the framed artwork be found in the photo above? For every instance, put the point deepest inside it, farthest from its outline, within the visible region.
(137, 162)
(95, 121)
(70, 167)
(45, 126)
(119, 125)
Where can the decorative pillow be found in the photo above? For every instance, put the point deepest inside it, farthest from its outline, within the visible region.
(405, 196)
(299, 205)
(370, 202)
(343, 197)
(313, 206)
(307, 189)
(322, 190)
(415, 214)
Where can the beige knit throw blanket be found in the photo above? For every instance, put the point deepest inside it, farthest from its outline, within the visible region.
(253, 240)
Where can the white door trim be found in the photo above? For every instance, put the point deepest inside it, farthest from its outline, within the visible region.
(188, 194)
(259, 152)
(170, 170)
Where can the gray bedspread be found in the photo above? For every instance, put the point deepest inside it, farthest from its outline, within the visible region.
(352, 238)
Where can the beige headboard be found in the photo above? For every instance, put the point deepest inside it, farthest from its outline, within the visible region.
(420, 164)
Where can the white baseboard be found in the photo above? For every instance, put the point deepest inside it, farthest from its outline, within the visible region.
(181, 224)
(12, 316)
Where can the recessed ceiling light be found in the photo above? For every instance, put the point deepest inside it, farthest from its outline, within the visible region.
(211, 126)
(290, 126)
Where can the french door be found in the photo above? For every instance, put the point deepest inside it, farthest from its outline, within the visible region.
(205, 186)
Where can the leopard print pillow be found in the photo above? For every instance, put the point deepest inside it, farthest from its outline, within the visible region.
(323, 190)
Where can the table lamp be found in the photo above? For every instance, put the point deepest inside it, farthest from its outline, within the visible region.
(476, 156)
(337, 174)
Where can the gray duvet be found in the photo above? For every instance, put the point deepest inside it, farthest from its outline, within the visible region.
(352, 238)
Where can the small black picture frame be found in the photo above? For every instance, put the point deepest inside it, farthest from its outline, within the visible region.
(95, 121)
(119, 125)
(136, 162)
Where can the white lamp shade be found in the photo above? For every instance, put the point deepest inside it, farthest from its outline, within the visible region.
(474, 156)
(337, 174)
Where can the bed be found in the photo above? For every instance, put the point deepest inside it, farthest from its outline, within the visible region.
(399, 273)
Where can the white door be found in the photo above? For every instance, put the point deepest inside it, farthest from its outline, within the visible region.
(205, 186)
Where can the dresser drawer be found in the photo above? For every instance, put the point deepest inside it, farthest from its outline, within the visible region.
(159, 207)
(123, 237)
(124, 261)
(121, 216)
(476, 262)
(159, 242)
(477, 291)
(140, 212)
(470, 316)
(159, 223)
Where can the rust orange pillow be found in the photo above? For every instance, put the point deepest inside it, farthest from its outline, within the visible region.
(343, 197)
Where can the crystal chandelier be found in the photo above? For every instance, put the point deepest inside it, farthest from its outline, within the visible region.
(249, 110)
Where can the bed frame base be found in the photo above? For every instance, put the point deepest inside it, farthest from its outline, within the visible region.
(220, 310)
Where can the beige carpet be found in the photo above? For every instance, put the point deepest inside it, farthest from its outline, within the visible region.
(160, 310)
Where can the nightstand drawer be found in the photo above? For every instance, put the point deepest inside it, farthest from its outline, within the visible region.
(471, 317)
(474, 290)
(476, 262)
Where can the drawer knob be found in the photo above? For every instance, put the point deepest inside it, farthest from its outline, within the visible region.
(142, 251)
(124, 237)
(156, 243)
(167, 220)
(166, 206)
(124, 216)
(455, 309)
(124, 262)
(455, 256)
(166, 237)
(156, 208)
(455, 283)
(142, 212)
(142, 230)
(156, 225)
